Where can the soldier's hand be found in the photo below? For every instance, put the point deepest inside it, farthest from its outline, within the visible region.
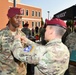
(24, 39)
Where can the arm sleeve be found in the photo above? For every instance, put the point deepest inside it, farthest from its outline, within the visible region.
(0, 42)
(32, 57)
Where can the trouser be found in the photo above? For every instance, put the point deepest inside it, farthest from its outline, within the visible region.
(30, 69)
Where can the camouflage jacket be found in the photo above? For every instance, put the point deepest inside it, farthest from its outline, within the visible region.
(71, 41)
(7, 61)
(51, 59)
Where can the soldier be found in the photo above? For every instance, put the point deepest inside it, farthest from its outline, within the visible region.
(51, 59)
(26, 30)
(42, 33)
(71, 44)
(8, 64)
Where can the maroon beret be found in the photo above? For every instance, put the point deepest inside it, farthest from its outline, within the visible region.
(55, 22)
(13, 11)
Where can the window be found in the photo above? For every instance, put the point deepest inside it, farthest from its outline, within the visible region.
(39, 14)
(32, 13)
(35, 23)
(32, 24)
(36, 13)
(38, 24)
(26, 12)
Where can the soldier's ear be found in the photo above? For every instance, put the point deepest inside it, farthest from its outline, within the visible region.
(51, 31)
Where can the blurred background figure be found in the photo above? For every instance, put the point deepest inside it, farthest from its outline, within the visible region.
(71, 44)
(26, 30)
(68, 31)
(37, 33)
(42, 34)
(33, 32)
(36, 29)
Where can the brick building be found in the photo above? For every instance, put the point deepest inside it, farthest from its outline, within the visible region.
(30, 13)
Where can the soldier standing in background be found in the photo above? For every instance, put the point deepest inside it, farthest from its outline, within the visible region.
(51, 59)
(33, 32)
(71, 44)
(26, 30)
(37, 33)
(8, 64)
(36, 29)
(42, 34)
(68, 31)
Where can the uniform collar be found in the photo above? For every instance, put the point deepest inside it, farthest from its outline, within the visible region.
(54, 41)
(9, 31)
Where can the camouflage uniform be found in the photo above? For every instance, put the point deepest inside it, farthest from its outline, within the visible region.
(8, 64)
(71, 41)
(51, 59)
(71, 44)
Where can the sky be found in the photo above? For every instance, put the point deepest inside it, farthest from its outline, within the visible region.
(54, 6)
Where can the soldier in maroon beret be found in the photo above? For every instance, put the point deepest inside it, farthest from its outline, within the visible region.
(50, 59)
(8, 64)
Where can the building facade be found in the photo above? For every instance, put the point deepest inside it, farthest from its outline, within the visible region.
(30, 13)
